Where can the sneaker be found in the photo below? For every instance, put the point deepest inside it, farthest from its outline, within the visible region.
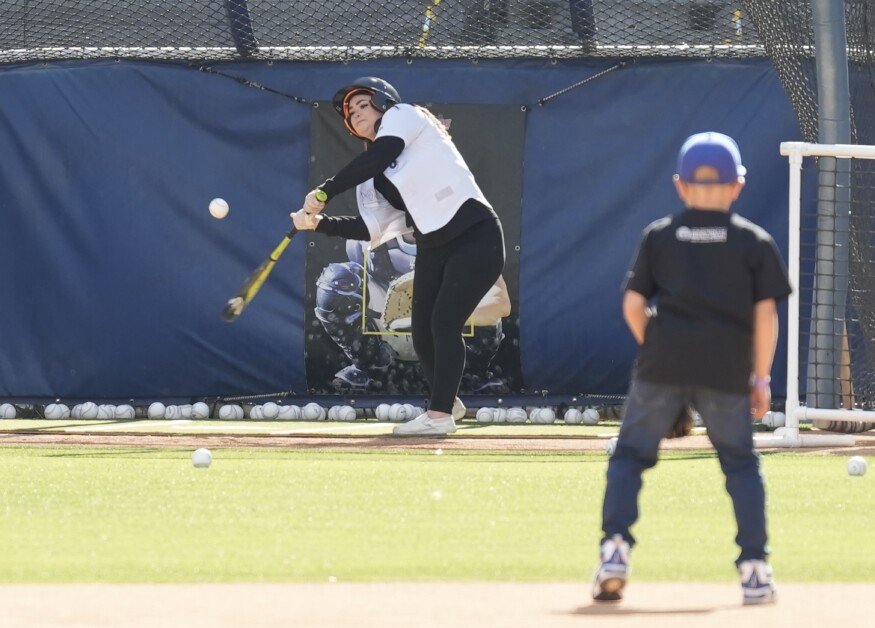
(459, 410)
(756, 582)
(610, 578)
(424, 425)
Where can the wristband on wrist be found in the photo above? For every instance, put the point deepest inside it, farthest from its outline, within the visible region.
(762, 382)
(321, 195)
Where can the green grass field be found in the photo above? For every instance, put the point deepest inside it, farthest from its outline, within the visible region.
(71, 514)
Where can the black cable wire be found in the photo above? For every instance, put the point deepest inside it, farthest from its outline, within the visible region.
(543, 101)
(242, 80)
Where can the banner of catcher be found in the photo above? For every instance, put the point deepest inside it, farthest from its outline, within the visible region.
(359, 295)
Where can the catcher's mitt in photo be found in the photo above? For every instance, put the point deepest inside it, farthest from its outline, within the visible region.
(399, 305)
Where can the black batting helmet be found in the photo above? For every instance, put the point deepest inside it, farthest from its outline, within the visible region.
(383, 95)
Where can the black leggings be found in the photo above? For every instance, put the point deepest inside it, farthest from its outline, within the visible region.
(449, 281)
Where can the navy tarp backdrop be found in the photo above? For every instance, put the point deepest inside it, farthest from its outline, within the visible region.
(113, 273)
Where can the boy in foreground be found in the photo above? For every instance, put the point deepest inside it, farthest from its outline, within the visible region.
(715, 278)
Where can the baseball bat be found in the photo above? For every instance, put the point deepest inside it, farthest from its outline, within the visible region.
(235, 305)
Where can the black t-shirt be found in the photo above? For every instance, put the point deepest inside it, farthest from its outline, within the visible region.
(705, 270)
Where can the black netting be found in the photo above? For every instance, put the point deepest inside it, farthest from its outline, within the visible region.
(837, 351)
(861, 284)
(333, 29)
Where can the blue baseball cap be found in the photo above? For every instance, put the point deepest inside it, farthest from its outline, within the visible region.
(714, 150)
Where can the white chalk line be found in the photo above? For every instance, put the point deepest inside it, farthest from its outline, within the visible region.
(339, 428)
(126, 426)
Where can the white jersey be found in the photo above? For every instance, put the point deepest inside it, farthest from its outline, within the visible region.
(430, 174)
(384, 222)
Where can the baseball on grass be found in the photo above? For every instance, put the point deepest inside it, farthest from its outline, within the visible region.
(201, 458)
(218, 208)
(611, 446)
(857, 466)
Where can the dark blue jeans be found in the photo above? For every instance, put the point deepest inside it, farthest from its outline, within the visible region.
(651, 410)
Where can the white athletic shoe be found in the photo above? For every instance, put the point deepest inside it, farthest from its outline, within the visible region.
(757, 585)
(459, 409)
(424, 425)
(610, 577)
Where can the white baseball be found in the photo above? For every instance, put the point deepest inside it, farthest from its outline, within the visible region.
(573, 416)
(774, 419)
(88, 410)
(65, 411)
(201, 458)
(517, 415)
(270, 410)
(484, 415)
(332, 413)
(590, 417)
(313, 412)
(296, 413)
(286, 413)
(75, 411)
(256, 412)
(156, 410)
(542, 416)
(53, 411)
(125, 411)
(7, 411)
(499, 415)
(381, 412)
(397, 413)
(611, 446)
(200, 410)
(346, 413)
(106, 411)
(185, 411)
(172, 412)
(219, 208)
(857, 466)
(228, 413)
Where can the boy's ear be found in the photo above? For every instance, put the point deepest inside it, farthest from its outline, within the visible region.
(681, 187)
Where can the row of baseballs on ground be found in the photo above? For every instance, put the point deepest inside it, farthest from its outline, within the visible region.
(538, 415)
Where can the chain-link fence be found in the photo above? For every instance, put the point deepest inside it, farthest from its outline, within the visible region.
(330, 29)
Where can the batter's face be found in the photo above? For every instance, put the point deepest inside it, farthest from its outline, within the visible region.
(363, 116)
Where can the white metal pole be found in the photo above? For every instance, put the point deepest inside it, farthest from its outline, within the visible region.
(793, 265)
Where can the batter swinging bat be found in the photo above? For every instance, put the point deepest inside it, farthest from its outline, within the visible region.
(250, 288)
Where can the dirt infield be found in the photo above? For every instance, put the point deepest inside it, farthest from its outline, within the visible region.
(865, 443)
(388, 605)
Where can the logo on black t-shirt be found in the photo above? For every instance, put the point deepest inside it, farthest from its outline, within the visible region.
(701, 235)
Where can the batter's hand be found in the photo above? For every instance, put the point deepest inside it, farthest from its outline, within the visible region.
(760, 401)
(304, 221)
(313, 205)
